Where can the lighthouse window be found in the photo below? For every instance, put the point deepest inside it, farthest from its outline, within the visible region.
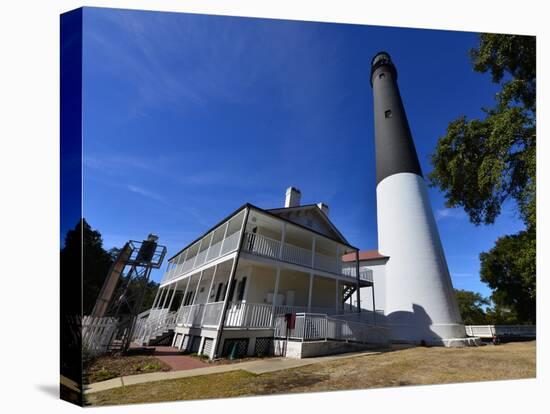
(382, 76)
(387, 114)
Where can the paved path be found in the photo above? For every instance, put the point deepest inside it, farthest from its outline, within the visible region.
(256, 367)
(174, 358)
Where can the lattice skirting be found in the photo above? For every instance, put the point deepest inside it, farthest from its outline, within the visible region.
(237, 347)
(263, 346)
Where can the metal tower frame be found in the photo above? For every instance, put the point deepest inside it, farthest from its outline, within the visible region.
(124, 288)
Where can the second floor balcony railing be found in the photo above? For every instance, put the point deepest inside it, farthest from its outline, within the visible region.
(268, 247)
(194, 261)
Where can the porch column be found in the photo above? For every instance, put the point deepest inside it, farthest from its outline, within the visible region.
(310, 291)
(358, 276)
(209, 245)
(337, 260)
(313, 252)
(212, 283)
(156, 299)
(224, 237)
(283, 236)
(216, 344)
(197, 255)
(185, 292)
(198, 286)
(337, 296)
(173, 294)
(180, 260)
(167, 290)
(275, 293)
(373, 305)
(185, 258)
(163, 297)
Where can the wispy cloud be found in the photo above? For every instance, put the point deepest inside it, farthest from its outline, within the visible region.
(172, 169)
(148, 194)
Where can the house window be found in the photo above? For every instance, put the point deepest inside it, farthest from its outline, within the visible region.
(387, 114)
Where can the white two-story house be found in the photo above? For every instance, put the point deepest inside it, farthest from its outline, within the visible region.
(227, 292)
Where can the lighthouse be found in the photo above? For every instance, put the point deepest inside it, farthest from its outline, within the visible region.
(420, 305)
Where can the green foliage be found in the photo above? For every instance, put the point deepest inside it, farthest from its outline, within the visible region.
(481, 163)
(510, 269)
(148, 367)
(471, 306)
(85, 242)
(510, 55)
(103, 374)
(498, 315)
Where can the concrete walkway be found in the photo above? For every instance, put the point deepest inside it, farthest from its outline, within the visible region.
(256, 367)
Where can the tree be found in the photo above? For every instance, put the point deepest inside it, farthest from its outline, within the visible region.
(87, 243)
(471, 307)
(512, 275)
(481, 163)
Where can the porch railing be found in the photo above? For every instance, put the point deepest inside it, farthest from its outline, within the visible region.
(315, 327)
(239, 314)
(364, 274)
(268, 247)
(213, 252)
(158, 322)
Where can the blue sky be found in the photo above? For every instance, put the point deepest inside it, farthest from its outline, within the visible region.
(187, 117)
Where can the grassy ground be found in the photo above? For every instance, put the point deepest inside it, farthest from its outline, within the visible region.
(107, 367)
(414, 366)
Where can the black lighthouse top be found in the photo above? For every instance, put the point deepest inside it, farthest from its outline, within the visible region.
(395, 151)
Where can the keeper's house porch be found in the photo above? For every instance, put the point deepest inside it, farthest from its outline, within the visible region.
(226, 298)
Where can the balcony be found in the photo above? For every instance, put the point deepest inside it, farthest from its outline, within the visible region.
(274, 249)
(219, 242)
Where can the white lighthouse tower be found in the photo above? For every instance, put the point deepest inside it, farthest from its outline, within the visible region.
(420, 304)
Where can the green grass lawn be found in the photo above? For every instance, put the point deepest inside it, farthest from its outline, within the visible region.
(413, 366)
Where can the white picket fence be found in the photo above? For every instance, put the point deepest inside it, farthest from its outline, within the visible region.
(491, 331)
(97, 333)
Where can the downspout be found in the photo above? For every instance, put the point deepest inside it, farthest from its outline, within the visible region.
(230, 283)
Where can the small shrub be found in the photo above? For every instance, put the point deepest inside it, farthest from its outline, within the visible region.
(103, 375)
